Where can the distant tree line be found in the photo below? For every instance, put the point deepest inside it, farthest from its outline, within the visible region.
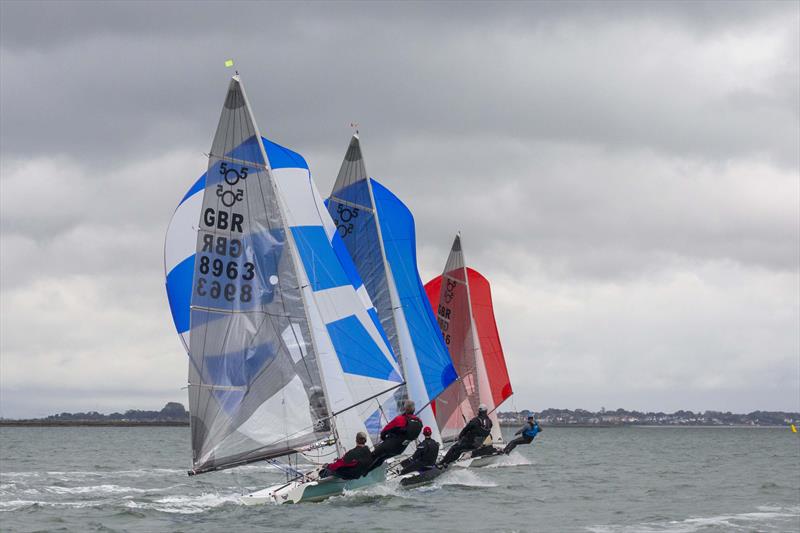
(172, 412)
(681, 417)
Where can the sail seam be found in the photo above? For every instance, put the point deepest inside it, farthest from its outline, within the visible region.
(352, 204)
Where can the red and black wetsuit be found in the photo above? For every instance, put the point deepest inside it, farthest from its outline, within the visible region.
(395, 436)
(351, 465)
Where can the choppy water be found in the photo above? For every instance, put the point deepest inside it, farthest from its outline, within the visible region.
(597, 480)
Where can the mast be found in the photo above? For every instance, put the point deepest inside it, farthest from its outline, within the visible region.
(448, 294)
(356, 361)
(282, 349)
(378, 230)
(463, 302)
(482, 385)
(249, 390)
(296, 262)
(408, 361)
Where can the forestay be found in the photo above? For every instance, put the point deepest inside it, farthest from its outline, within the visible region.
(462, 300)
(271, 303)
(378, 231)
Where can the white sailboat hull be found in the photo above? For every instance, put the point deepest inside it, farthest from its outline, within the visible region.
(311, 491)
(477, 462)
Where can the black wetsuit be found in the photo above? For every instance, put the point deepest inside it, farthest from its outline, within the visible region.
(470, 438)
(351, 465)
(424, 457)
(395, 436)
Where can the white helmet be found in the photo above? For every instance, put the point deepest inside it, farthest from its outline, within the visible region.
(482, 408)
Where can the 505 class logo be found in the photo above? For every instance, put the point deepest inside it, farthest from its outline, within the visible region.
(449, 291)
(232, 177)
(343, 221)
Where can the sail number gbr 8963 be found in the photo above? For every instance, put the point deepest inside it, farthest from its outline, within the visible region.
(222, 274)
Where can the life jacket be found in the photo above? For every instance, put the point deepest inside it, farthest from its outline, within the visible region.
(353, 464)
(413, 428)
(429, 452)
(531, 432)
(484, 427)
(476, 431)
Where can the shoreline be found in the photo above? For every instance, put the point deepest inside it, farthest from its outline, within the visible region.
(91, 423)
(154, 423)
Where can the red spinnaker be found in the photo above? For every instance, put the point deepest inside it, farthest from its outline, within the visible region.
(483, 315)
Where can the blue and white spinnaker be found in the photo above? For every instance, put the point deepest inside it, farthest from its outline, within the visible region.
(378, 230)
(284, 345)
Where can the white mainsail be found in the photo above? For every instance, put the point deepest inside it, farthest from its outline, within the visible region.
(283, 350)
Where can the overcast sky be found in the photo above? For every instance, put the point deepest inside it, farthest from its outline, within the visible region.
(627, 176)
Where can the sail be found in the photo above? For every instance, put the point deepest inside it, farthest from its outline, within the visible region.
(378, 231)
(488, 338)
(357, 360)
(179, 254)
(260, 346)
(462, 300)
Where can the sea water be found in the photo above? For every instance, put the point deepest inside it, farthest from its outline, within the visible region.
(570, 479)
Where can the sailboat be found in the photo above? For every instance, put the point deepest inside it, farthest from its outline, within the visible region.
(286, 356)
(462, 300)
(378, 230)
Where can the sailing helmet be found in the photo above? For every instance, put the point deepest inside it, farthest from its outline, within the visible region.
(482, 408)
(427, 431)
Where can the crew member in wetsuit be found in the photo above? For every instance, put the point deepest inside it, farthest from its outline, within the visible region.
(396, 435)
(526, 435)
(471, 437)
(353, 464)
(425, 455)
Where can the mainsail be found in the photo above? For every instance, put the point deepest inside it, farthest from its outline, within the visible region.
(283, 351)
(378, 231)
(462, 300)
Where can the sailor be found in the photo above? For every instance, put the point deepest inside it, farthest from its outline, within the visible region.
(471, 437)
(424, 456)
(353, 464)
(526, 435)
(396, 435)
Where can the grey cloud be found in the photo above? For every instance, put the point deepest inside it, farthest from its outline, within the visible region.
(37, 24)
(577, 74)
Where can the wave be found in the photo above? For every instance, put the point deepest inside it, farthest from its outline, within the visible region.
(80, 474)
(187, 504)
(16, 505)
(764, 515)
(386, 489)
(102, 489)
(464, 478)
(142, 472)
(513, 459)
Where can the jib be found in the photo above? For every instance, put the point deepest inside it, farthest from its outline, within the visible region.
(223, 220)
